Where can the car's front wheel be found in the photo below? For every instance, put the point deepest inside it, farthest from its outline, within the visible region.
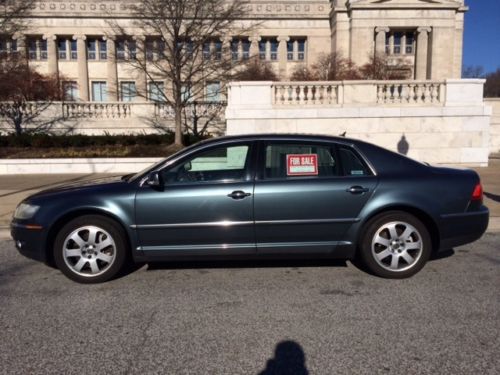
(90, 249)
(395, 245)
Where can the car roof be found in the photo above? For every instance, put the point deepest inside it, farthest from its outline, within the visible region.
(283, 136)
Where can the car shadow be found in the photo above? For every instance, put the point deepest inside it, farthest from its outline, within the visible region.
(493, 197)
(442, 254)
(253, 263)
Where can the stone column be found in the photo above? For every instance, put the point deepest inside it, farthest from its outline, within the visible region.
(380, 39)
(112, 72)
(51, 53)
(83, 70)
(422, 52)
(141, 84)
(282, 55)
(21, 45)
(254, 46)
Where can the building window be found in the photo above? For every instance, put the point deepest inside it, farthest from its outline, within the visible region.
(32, 49)
(62, 46)
(271, 45)
(96, 49)
(8, 46)
(128, 91)
(156, 91)
(74, 54)
(187, 93)
(126, 49)
(296, 49)
(234, 49)
(70, 89)
(400, 42)
(99, 91)
(43, 49)
(240, 49)
(213, 91)
(212, 49)
(155, 48)
(410, 43)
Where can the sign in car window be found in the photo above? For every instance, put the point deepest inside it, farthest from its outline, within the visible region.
(302, 165)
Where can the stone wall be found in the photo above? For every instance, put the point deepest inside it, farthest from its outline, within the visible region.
(443, 122)
(495, 124)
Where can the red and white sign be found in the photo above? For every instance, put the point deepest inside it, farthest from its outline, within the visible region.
(302, 164)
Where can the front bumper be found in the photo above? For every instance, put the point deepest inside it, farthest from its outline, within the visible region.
(464, 228)
(29, 241)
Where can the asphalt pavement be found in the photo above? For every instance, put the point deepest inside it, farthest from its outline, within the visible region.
(283, 317)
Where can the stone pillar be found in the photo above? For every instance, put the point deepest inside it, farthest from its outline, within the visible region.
(254, 46)
(422, 52)
(83, 70)
(112, 72)
(380, 39)
(282, 40)
(141, 84)
(51, 53)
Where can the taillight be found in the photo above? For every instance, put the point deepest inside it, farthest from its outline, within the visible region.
(477, 194)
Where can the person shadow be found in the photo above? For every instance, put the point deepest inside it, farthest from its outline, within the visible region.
(289, 359)
(403, 145)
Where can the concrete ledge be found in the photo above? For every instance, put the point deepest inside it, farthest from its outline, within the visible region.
(76, 165)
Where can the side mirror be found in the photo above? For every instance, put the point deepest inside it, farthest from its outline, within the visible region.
(154, 179)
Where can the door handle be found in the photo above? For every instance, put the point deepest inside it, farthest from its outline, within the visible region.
(238, 194)
(357, 190)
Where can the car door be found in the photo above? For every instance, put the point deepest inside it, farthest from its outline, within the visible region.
(304, 199)
(205, 205)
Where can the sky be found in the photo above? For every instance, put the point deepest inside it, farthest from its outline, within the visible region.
(482, 34)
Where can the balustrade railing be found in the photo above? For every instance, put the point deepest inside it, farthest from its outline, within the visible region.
(410, 92)
(97, 109)
(305, 93)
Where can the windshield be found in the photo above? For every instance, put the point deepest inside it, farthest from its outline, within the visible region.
(134, 176)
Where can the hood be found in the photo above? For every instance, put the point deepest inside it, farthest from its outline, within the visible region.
(75, 186)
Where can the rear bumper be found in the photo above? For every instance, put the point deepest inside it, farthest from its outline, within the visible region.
(29, 242)
(464, 228)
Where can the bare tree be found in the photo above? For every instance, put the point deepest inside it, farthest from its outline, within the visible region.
(473, 71)
(492, 85)
(187, 45)
(25, 94)
(378, 67)
(13, 14)
(255, 69)
(335, 67)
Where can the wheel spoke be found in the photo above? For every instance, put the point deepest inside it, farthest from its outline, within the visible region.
(93, 266)
(104, 257)
(406, 234)
(392, 231)
(92, 235)
(77, 239)
(413, 245)
(382, 241)
(72, 253)
(395, 261)
(104, 244)
(407, 257)
(79, 265)
(383, 254)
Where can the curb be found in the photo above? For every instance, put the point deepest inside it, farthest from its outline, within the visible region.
(493, 227)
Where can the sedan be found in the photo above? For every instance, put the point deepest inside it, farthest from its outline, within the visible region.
(257, 196)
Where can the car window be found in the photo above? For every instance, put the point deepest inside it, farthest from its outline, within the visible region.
(299, 160)
(227, 163)
(352, 164)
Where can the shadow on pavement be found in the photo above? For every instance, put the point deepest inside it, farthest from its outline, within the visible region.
(260, 263)
(289, 358)
(493, 197)
(442, 254)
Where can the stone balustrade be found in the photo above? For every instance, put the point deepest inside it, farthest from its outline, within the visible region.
(97, 110)
(305, 93)
(410, 92)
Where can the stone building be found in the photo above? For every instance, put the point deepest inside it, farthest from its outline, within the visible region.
(73, 38)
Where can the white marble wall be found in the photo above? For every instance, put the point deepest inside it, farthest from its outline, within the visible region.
(453, 130)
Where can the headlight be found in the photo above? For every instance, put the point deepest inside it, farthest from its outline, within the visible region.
(25, 211)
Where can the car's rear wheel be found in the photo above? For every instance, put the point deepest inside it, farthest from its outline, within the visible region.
(90, 249)
(395, 245)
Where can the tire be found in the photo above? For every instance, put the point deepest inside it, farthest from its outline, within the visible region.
(395, 245)
(91, 249)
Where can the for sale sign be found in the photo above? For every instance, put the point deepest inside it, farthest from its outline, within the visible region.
(302, 164)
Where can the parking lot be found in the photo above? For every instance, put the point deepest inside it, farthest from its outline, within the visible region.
(292, 317)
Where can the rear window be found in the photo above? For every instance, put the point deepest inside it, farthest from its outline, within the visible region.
(352, 163)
